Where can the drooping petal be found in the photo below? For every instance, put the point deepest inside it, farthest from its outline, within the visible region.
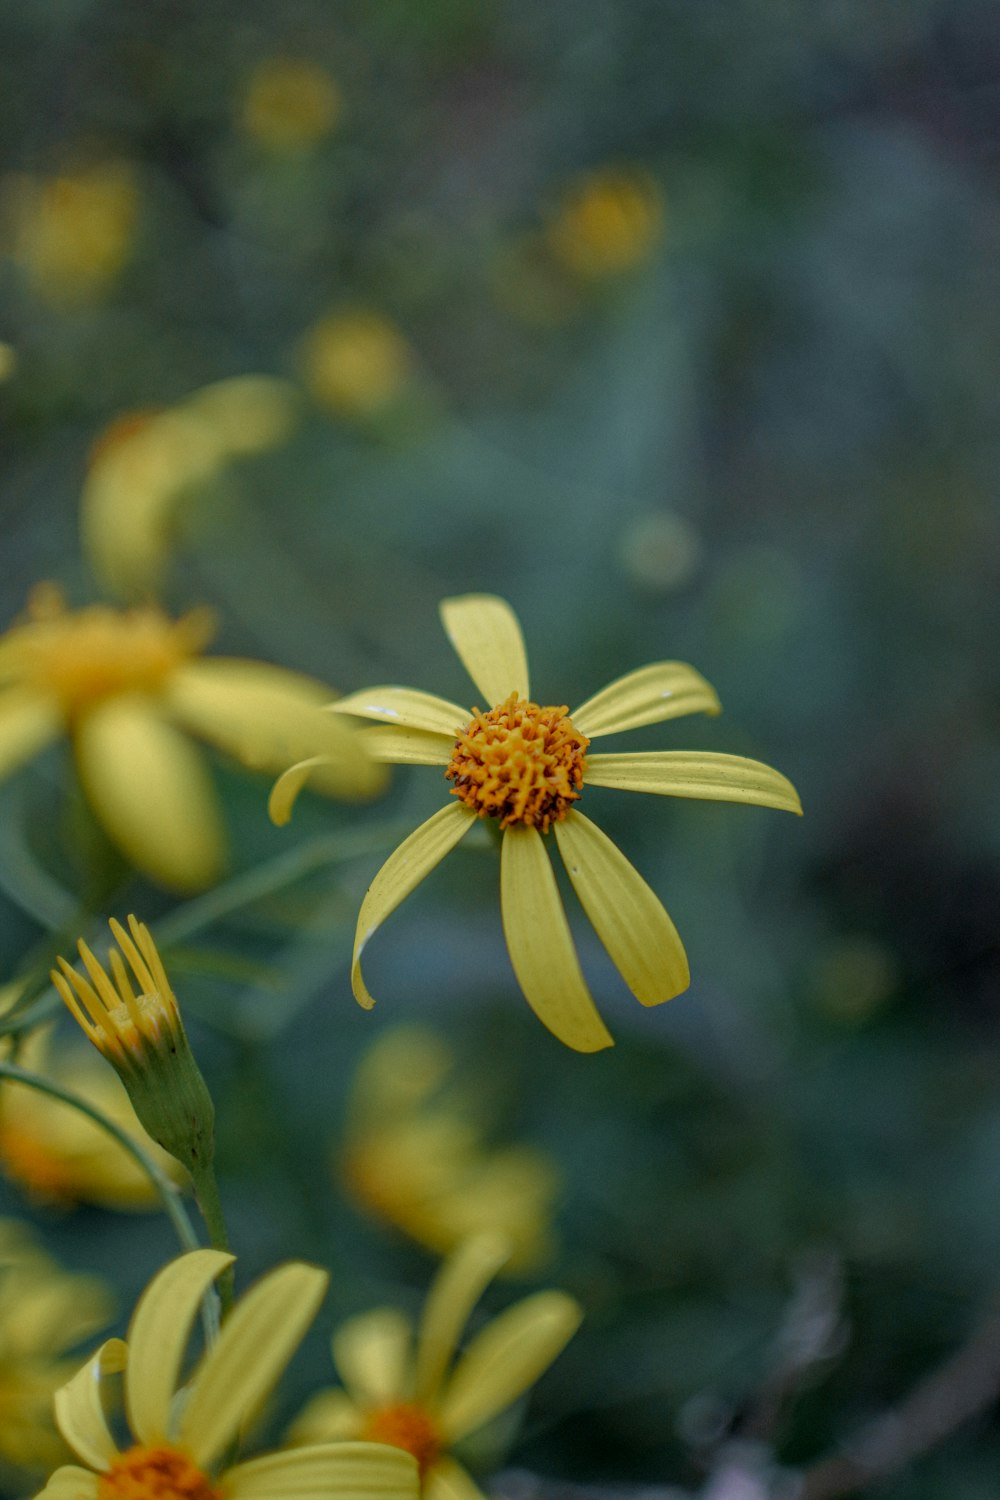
(447, 1480)
(158, 1336)
(28, 722)
(70, 1483)
(457, 1288)
(402, 872)
(407, 707)
(506, 1358)
(484, 630)
(664, 690)
(258, 1339)
(694, 773)
(372, 1355)
(285, 792)
(629, 918)
(78, 1409)
(402, 746)
(150, 789)
(540, 946)
(267, 718)
(328, 1471)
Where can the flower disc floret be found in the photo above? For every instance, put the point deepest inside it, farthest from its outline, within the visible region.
(155, 1474)
(519, 763)
(405, 1425)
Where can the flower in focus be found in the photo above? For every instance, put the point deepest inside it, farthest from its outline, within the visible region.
(412, 1392)
(44, 1312)
(145, 463)
(414, 1156)
(72, 233)
(608, 222)
(128, 687)
(178, 1445)
(290, 104)
(355, 362)
(524, 766)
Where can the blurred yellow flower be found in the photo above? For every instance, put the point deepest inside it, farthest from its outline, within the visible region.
(8, 361)
(607, 222)
(290, 104)
(44, 1311)
(71, 234)
(178, 1445)
(355, 362)
(128, 687)
(414, 1155)
(414, 1393)
(524, 765)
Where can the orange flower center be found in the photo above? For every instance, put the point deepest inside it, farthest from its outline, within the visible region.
(155, 1474)
(28, 1161)
(520, 763)
(403, 1426)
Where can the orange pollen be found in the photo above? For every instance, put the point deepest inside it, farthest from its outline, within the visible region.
(520, 763)
(155, 1474)
(403, 1426)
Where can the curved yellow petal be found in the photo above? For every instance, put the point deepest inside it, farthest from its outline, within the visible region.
(158, 1336)
(78, 1409)
(540, 946)
(258, 1339)
(28, 722)
(267, 718)
(484, 630)
(355, 1471)
(629, 918)
(372, 1356)
(402, 872)
(285, 792)
(406, 707)
(664, 690)
(151, 790)
(447, 1480)
(457, 1288)
(506, 1358)
(694, 773)
(70, 1483)
(247, 413)
(407, 746)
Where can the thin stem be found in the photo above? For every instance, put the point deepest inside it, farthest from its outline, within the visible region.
(206, 1191)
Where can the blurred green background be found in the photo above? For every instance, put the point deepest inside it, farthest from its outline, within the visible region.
(673, 324)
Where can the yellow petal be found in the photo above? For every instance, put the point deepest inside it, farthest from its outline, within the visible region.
(70, 1483)
(258, 1339)
(267, 718)
(484, 630)
(457, 1288)
(372, 1355)
(414, 747)
(356, 1471)
(151, 791)
(407, 707)
(402, 872)
(506, 1358)
(447, 1480)
(285, 792)
(629, 918)
(247, 413)
(158, 1336)
(28, 722)
(694, 773)
(665, 690)
(327, 1417)
(540, 946)
(78, 1409)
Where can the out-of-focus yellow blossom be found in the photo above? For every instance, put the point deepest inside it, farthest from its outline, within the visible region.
(145, 462)
(355, 362)
(413, 1393)
(8, 361)
(525, 765)
(44, 1311)
(58, 1155)
(128, 687)
(290, 104)
(178, 1446)
(71, 234)
(414, 1155)
(608, 222)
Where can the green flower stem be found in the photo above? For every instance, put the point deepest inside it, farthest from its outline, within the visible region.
(166, 1190)
(206, 1192)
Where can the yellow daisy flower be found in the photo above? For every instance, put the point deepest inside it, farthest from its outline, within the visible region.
(608, 222)
(414, 1394)
(72, 233)
(415, 1156)
(525, 766)
(44, 1312)
(180, 1438)
(128, 687)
